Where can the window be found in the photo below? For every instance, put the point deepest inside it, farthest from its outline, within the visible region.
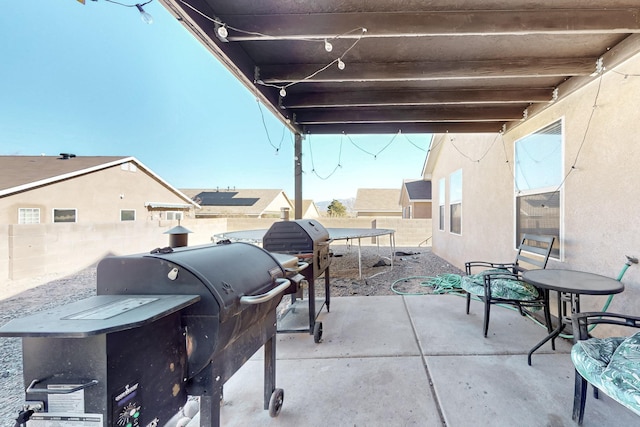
(127, 214)
(537, 183)
(28, 216)
(64, 215)
(455, 202)
(174, 215)
(441, 199)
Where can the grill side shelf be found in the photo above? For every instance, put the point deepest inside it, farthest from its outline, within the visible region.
(97, 315)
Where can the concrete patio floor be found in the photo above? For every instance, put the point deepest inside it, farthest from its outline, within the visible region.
(416, 360)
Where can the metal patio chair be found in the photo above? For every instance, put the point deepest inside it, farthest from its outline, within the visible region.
(609, 364)
(501, 283)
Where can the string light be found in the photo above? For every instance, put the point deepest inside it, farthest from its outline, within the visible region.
(327, 46)
(222, 31)
(342, 138)
(146, 18)
(313, 167)
(266, 130)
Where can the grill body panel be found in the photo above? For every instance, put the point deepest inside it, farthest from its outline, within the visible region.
(309, 240)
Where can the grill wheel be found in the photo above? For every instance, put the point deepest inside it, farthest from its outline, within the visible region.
(275, 403)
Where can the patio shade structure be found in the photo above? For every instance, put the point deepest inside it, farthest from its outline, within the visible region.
(389, 66)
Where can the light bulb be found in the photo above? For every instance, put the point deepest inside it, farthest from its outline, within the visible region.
(341, 64)
(283, 92)
(146, 18)
(222, 32)
(328, 46)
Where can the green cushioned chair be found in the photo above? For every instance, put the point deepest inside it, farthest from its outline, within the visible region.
(501, 283)
(611, 365)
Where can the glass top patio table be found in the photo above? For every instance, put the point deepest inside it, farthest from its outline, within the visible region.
(569, 284)
(575, 282)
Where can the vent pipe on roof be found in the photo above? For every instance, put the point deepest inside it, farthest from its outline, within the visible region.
(66, 156)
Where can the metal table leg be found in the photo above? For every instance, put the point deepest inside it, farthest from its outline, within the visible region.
(563, 319)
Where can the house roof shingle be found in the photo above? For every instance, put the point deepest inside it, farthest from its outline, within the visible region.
(25, 171)
(418, 190)
(20, 173)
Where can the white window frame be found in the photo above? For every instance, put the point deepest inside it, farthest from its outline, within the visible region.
(26, 216)
(53, 215)
(174, 215)
(549, 187)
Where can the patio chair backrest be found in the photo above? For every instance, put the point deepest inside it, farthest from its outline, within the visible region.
(534, 250)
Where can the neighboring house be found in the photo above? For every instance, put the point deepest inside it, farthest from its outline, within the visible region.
(571, 171)
(377, 202)
(230, 203)
(309, 209)
(415, 198)
(92, 189)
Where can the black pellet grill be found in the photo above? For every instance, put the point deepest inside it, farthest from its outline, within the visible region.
(308, 240)
(163, 326)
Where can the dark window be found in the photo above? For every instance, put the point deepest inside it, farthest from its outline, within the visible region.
(539, 214)
(455, 222)
(64, 215)
(127, 215)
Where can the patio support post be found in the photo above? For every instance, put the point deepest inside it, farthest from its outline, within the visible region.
(298, 176)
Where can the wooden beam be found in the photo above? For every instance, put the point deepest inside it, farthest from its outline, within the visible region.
(321, 26)
(372, 98)
(412, 115)
(389, 128)
(620, 53)
(414, 71)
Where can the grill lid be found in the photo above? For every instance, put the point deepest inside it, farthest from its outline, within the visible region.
(221, 274)
(228, 271)
(299, 236)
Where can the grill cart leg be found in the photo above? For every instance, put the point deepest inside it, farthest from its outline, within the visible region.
(327, 288)
(210, 410)
(273, 397)
(269, 370)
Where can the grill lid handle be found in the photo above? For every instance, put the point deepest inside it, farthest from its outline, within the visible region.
(301, 266)
(259, 299)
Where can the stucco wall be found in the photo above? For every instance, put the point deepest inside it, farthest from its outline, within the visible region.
(408, 232)
(600, 199)
(41, 249)
(98, 197)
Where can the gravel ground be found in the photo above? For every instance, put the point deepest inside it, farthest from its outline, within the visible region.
(20, 298)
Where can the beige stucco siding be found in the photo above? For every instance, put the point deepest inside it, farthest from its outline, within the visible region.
(98, 196)
(280, 201)
(600, 199)
(421, 210)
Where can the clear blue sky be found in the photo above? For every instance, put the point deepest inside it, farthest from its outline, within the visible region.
(95, 80)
